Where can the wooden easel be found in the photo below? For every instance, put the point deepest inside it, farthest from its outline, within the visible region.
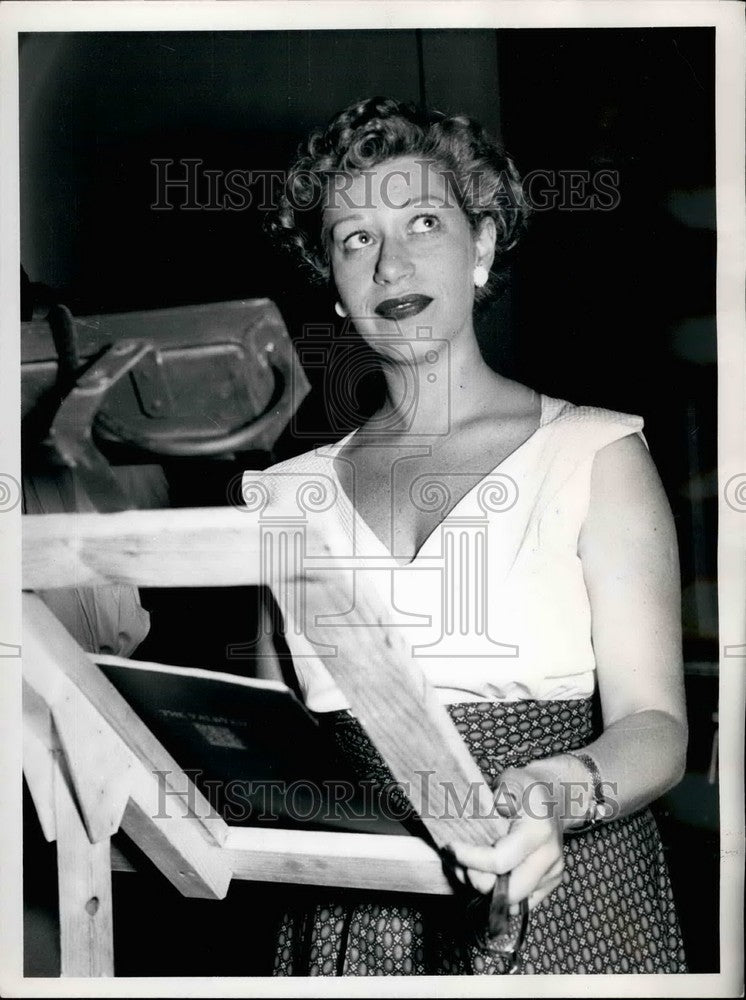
(93, 767)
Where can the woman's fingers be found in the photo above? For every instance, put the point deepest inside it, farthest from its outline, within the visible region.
(533, 874)
(479, 880)
(533, 879)
(482, 858)
(524, 837)
(538, 895)
(531, 871)
(483, 882)
(530, 852)
(459, 872)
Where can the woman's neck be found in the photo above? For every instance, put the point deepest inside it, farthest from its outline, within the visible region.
(438, 391)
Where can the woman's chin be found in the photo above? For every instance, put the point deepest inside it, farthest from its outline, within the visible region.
(415, 329)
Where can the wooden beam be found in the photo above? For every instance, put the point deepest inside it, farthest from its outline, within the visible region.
(38, 770)
(39, 745)
(174, 845)
(120, 861)
(84, 880)
(86, 704)
(119, 773)
(400, 711)
(351, 860)
(206, 546)
(314, 857)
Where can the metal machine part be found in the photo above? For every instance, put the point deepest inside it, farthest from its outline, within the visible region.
(194, 381)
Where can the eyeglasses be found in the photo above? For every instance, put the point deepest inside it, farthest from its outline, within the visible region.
(495, 930)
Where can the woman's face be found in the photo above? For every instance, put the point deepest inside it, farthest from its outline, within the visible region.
(402, 252)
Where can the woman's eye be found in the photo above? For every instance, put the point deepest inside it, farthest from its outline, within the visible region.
(356, 241)
(425, 223)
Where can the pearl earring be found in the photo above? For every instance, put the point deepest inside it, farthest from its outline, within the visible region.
(339, 309)
(481, 275)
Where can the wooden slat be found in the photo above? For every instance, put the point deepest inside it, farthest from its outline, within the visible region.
(209, 546)
(399, 710)
(38, 770)
(119, 771)
(39, 745)
(84, 880)
(100, 767)
(175, 847)
(119, 860)
(58, 670)
(352, 860)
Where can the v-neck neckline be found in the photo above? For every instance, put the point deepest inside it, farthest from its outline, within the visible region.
(357, 518)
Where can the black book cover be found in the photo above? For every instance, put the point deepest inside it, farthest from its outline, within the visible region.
(250, 746)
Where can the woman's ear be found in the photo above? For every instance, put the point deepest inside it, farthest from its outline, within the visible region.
(484, 242)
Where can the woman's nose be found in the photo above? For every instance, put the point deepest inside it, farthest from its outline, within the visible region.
(393, 263)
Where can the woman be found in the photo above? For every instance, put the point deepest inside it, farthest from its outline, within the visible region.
(407, 213)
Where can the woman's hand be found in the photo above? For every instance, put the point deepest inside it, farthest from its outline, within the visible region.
(531, 850)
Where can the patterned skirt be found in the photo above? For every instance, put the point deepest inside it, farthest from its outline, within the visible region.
(612, 913)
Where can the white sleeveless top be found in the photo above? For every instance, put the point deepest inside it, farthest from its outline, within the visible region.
(494, 605)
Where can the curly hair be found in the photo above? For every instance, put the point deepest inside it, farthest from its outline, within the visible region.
(481, 175)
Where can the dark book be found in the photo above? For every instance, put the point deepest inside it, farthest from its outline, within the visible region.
(251, 747)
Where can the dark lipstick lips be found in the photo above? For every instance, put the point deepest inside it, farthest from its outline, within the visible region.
(407, 305)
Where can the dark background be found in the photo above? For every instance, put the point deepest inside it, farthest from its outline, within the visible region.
(612, 308)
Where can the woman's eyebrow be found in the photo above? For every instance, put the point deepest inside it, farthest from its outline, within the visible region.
(431, 201)
(338, 222)
(423, 201)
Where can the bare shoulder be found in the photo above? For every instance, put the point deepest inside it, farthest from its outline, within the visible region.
(629, 554)
(627, 499)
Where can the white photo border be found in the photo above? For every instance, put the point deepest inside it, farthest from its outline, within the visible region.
(251, 15)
